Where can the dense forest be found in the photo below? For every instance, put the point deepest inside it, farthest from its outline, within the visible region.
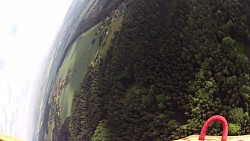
(173, 64)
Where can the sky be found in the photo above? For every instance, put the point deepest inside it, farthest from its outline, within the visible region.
(27, 31)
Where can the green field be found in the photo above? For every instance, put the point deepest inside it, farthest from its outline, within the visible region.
(115, 26)
(79, 57)
(51, 129)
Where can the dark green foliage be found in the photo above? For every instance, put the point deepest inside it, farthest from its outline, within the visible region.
(228, 41)
(64, 133)
(89, 104)
(101, 132)
(234, 128)
(167, 71)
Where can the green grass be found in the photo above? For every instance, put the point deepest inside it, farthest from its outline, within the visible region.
(115, 26)
(78, 59)
(51, 125)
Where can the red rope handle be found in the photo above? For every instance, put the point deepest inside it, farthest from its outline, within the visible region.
(212, 119)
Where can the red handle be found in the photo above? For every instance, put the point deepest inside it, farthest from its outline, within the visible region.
(218, 118)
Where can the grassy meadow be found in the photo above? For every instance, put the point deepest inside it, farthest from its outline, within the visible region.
(79, 57)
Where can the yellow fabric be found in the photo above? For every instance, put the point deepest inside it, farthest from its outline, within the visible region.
(4, 137)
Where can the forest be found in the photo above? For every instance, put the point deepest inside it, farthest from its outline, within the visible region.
(173, 64)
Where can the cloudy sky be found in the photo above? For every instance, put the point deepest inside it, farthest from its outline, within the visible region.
(27, 29)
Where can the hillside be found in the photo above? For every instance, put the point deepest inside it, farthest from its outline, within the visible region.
(170, 66)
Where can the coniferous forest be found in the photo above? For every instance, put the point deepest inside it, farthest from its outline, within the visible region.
(172, 65)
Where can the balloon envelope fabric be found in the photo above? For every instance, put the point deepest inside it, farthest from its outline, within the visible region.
(224, 137)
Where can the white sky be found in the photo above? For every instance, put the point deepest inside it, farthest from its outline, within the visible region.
(27, 29)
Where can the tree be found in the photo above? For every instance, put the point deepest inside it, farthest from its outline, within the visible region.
(228, 41)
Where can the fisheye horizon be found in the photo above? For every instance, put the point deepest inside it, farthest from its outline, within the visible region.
(115, 70)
